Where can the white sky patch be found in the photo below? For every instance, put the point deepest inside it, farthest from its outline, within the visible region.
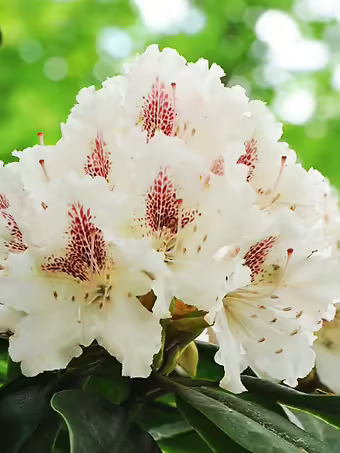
(171, 16)
(296, 106)
(288, 49)
(115, 42)
(55, 68)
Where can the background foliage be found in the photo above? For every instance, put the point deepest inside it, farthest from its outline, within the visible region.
(291, 60)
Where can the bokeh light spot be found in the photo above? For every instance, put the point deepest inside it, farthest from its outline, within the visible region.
(55, 68)
(296, 106)
(115, 42)
(31, 50)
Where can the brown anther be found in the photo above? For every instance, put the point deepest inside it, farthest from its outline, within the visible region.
(261, 340)
(42, 163)
(41, 138)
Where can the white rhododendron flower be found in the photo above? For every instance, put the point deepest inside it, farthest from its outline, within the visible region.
(269, 324)
(166, 190)
(81, 283)
(327, 350)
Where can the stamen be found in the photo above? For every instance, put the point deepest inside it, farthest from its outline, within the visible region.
(41, 138)
(42, 163)
(283, 162)
(284, 269)
(274, 189)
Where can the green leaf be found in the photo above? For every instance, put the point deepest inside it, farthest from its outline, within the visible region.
(178, 334)
(13, 370)
(163, 421)
(324, 406)
(155, 415)
(318, 428)
(43, 438)
(217, 440)
(116, 391)
(96, 426)
(24, 407)
(253, 427)
(169, 430)
(189, 442)
(3, 359)
(207, 367)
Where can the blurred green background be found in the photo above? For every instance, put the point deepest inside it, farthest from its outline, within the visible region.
(284, 52)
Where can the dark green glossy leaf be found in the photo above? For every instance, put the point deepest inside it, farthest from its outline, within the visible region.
(325, 406)
(169, 430)
(318, 428)
(24, 406)
(13, 370)
(250, 425)
(44, 437)
(185, 443)
(217, 440)
(163, 421)
(156, 414)
(207, 367)
(96, 426)
(115, 391)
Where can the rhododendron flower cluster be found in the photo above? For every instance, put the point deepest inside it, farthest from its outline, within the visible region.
(167, 191)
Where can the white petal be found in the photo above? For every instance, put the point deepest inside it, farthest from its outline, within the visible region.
(9, 319)
(131, 334)
(230, 355)
(47, 340)
(328, 366)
